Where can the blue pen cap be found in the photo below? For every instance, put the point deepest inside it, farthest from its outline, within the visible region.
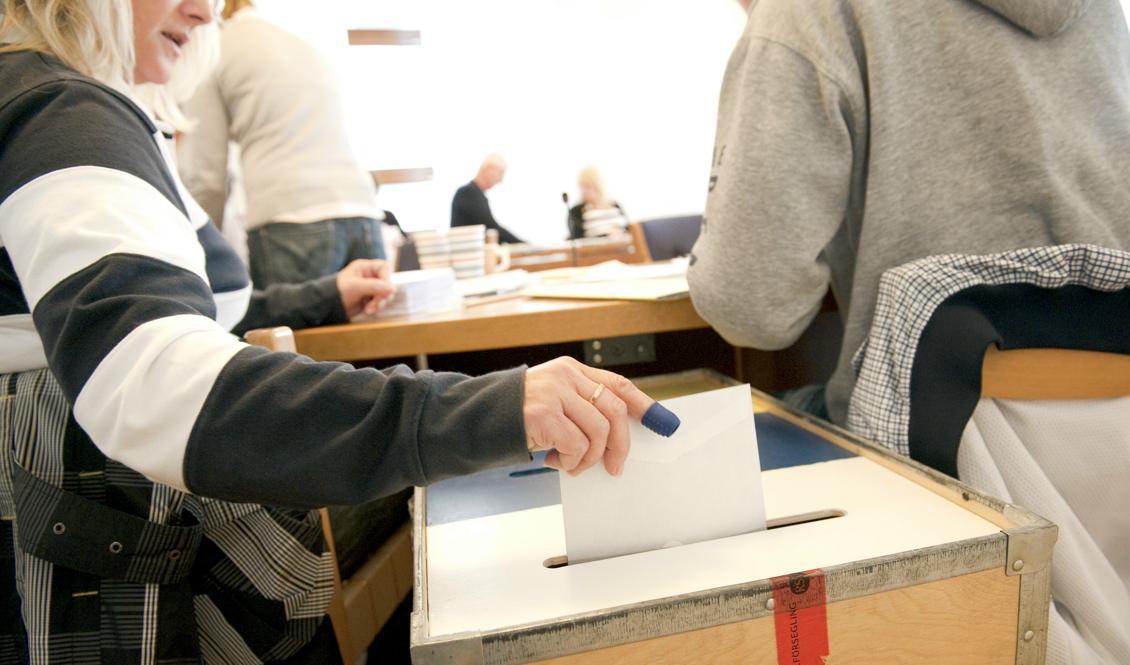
(661, 420)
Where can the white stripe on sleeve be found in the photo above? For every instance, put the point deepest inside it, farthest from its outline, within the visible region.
(140, 404)
(231, 306)
(66, 220)
(21, 347)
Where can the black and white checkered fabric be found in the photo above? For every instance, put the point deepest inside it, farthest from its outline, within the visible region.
(109, 567)
(908, 295)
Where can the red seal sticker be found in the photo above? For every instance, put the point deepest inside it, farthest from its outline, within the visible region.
(801, 618)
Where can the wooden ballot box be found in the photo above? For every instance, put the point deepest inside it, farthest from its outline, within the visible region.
(868, 558)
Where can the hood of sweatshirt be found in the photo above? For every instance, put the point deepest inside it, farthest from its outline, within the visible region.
(1041, 18)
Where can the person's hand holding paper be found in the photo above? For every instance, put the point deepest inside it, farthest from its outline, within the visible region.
(702, 483)
(580, 415)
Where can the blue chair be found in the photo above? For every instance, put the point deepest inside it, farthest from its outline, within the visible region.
(671, 237)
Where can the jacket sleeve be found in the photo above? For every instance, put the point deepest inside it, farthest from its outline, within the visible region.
(504, 234)
(316, 302)
(779, 190)
(467, 209)
(119, 295)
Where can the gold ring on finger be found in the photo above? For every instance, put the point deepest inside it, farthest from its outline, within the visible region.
(596, 393)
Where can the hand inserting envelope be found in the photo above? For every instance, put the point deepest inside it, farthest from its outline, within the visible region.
(702, 483)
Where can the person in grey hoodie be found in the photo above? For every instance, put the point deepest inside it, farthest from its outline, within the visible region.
(857, 135)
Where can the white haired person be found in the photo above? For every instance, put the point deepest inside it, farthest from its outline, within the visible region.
(469, 206)
(596, 215)
(130, 417)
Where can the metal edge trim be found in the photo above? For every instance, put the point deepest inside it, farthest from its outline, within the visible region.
(1019, 516)
(1032, 617)
(713, 607)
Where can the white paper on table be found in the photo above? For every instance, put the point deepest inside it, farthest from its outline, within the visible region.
(702, 483)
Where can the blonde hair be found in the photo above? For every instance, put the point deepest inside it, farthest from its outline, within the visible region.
(591, 176)
(93, 37)
(233, 6)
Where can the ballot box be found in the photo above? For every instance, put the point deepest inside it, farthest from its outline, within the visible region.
(868, 558)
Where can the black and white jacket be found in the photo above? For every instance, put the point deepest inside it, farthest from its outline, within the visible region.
(106, 280)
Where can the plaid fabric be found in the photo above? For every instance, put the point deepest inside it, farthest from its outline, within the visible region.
(908, 295)
(104, 566)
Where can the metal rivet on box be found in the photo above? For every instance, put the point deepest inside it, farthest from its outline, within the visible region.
(770, 604)
(1018, 564)
(1028, 635)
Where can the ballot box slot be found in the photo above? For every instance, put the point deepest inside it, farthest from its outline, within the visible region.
(561, 561)
(804, 518)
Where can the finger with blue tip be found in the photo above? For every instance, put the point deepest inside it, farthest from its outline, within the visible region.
(661, 420)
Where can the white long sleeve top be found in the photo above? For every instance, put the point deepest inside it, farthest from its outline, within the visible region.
(277, 97)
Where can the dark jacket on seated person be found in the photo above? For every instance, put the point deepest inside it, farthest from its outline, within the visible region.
(470, 207)
(596, 227)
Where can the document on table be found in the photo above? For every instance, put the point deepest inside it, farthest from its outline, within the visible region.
(613, 280)
(702, 483)
(665, 288)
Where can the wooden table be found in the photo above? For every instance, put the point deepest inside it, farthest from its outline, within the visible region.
(499, 325)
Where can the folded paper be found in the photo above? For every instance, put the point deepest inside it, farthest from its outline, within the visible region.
(702, 483)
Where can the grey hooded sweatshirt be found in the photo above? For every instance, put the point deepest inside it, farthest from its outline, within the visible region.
(857, 135)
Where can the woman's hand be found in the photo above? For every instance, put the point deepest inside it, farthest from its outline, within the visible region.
(569, 414)
(365, 286)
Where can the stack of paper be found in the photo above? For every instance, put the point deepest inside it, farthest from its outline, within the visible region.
(496, 284)
(613, 280)
(702, 483)
(422, 291)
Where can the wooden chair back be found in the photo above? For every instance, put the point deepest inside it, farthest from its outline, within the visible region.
(282, 339)
(629, 248)
(639, 242)
(1054, 374)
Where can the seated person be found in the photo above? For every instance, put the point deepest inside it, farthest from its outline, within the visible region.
(596, 215)
(470, 205)
(838, 157)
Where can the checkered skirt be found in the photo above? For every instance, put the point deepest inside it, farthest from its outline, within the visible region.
(101, 565)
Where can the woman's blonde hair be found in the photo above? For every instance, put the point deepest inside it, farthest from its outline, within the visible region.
(233, 6)
(591, 176)
(93, 37)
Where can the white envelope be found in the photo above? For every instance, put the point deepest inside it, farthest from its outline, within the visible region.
(702, 483)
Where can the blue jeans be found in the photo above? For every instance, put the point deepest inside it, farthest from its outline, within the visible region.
(281, 252)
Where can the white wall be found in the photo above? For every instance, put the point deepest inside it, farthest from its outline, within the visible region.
(629, 86)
